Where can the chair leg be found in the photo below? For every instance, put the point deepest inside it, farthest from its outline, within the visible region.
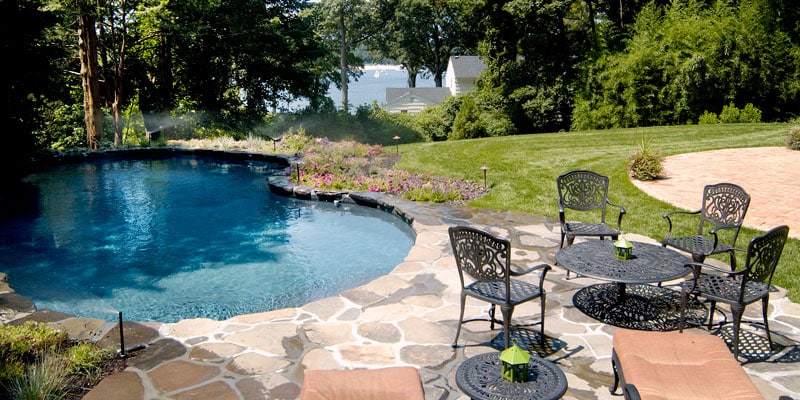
(491, 317)
(738, 312)
(711, 311)
(507, 311)
(614, 366)
(542, 299)
(764, 307)
(460, 320)
(570, 239)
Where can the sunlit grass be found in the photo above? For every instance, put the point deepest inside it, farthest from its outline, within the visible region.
(523, 169)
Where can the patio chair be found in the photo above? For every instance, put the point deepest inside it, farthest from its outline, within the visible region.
(739, 288)
(585, 191)
(485, 271)
(724, 207)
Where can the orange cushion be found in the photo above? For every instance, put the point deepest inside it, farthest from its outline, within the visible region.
(673, 365)
(397, 383)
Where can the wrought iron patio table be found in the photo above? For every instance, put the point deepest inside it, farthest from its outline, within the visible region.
(479, 378)
(629, 300)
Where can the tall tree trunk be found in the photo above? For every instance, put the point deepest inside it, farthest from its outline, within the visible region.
(90, 75)
(343, 59)
(411, 79)
(116, 105)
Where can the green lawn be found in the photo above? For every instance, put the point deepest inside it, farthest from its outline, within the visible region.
(523, 169)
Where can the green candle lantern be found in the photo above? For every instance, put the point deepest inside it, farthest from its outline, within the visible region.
(623, 249)
(515, 363)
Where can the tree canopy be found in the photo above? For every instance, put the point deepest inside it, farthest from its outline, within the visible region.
(178, 67)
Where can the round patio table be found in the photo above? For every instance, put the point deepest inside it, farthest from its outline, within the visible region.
(479, 377)
(629, 300)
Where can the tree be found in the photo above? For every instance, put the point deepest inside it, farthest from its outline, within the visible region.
(35, 72)
(90, 71)
(423, 34)
(349, 23)
(532, 53)
(229, 62)
(690, 58)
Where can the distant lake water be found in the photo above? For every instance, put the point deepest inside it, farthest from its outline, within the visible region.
(371, 86)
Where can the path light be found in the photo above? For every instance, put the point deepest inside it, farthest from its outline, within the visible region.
(275, 143)
(396, 144)
(484, 168)
(297, 167)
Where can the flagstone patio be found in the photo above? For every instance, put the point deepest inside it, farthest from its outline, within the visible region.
(407, 317)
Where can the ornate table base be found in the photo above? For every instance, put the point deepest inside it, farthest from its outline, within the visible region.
(642, 307)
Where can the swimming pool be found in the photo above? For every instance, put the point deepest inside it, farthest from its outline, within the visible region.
(187, 237)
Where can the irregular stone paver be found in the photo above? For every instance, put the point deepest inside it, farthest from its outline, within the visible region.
(212, 391)
(157, 353)
(380, 332)
(123, 385)
(256, 364)
(174, 375)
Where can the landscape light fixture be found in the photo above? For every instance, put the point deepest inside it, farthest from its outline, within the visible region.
(484, 168)
(275, 143)
(297, 166)
(396, 144)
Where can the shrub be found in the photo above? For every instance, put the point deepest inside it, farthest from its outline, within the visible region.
(43, 379)
(750, 114)
(793, 140)
(25, 343)
(708, 118)
(729, 114)
(646, 162)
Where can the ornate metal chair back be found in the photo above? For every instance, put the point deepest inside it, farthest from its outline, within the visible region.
(481, 256)
(763, 254)
(583, 191)
(724, 204)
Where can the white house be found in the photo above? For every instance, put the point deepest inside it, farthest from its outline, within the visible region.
(460, 77)
(462, 73)
(413, 100)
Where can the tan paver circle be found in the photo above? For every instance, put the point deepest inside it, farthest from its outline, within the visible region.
(771, 175)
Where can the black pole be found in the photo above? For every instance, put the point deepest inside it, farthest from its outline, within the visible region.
(121, 338)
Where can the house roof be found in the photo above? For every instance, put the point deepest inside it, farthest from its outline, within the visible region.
(467, 66)
(433, 95)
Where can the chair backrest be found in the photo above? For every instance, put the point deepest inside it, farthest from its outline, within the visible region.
(763, 254)
(481, 255)
(724, 204)
(583, 191)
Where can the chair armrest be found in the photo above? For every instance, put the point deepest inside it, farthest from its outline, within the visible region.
(622, 212)
(543, 267)
(561, 215)
(630, 392)
(697, 270)
(668, 214)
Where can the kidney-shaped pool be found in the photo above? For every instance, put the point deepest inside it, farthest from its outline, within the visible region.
(187, 237)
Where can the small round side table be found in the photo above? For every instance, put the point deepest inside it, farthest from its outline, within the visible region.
(479, 378)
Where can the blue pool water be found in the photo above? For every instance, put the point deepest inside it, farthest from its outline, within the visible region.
(187, 237)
